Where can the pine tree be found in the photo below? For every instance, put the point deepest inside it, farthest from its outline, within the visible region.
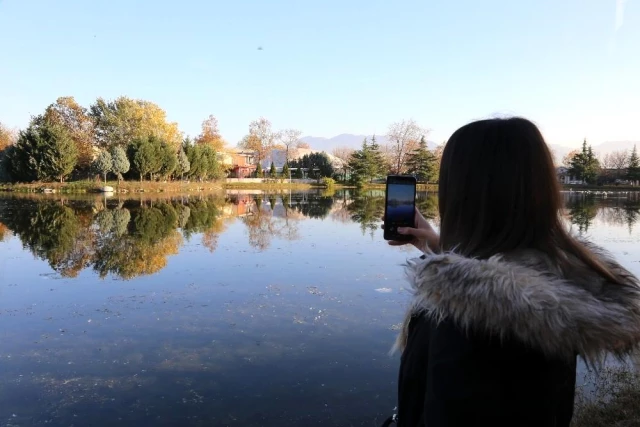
(183, 163)
(258, 170)
(120, 161)
(103, 164)
(285, 170)
(421, 163)
(272, 170)
(633, 169)
(584, 165)
(367, 163)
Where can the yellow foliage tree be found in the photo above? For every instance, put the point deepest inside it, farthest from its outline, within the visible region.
(7, 137)
(123, 120)
(67, 113)
(210, 134)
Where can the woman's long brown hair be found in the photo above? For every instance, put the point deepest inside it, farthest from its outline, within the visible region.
(499, 192)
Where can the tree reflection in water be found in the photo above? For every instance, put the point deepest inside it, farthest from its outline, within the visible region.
(129, 238)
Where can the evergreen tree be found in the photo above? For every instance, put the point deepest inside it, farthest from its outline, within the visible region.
(120, 161)
(584, 165)
(258, 170)
(44, 151)
(367, 163)
(169, 160)
(147, 157)
(103, 164)
(421, 163)
(299, 173)
(272, 170)
(183, 163)
(633, 168)
(285, 170)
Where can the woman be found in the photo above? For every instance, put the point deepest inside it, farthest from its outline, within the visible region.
(504, 299)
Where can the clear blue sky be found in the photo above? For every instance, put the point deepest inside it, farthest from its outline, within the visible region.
(333, 66)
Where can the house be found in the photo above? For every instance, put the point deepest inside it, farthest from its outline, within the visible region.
(278, 157)
(241, 163)
(565, 177)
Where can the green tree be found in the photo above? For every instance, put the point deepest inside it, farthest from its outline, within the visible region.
(318, 165)
(74, 118)
(183, 165)
(421, 163)
(584, 164)
(299, 173)
(103, 164)
(286, 170)
(169, 160)
(120, 161)
(258, 170)
(272, 170)
(147, 157)
(44, 151)
(367, 163)
(633, 167)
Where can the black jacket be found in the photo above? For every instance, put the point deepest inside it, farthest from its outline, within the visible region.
(495, 342)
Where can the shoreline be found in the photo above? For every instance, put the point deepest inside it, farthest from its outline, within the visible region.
(81, 187)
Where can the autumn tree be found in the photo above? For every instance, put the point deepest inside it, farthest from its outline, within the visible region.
(8, 138)
(343, 154)
(103, 164)
(301, 145)
(70, 115)
(568, 158)
(123, 120)
(403, 138)
(290, 138)
(210, 134)
(261, 138)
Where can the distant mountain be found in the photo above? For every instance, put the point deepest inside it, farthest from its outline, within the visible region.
(559, 151)
(609, 146)
(346, 140)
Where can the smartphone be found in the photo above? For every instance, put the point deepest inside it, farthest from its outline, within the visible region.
(400, 206)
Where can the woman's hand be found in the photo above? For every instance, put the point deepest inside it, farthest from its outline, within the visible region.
(424, 236)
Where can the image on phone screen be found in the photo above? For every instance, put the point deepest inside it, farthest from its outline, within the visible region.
(400, 206)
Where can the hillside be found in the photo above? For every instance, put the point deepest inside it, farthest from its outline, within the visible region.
(346, 140)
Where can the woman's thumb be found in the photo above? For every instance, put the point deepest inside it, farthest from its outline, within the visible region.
(407, 230)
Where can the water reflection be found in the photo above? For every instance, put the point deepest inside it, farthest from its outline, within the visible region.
(613, 209)
(130, 238)
(288, 321)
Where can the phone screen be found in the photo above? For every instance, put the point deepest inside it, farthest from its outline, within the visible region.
(400, 206)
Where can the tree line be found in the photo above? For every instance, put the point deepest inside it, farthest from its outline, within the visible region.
(611, 168)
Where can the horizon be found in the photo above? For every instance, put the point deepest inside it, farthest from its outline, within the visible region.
(355, 70)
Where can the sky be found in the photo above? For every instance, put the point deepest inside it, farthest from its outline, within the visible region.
(333, 66)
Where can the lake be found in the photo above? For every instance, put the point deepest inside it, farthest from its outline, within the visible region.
(242, 308)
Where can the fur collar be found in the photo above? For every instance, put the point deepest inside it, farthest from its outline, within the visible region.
(525, 297)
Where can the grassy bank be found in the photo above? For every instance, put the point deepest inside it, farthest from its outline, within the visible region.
(600, 187)
(613, 401)
(79, 187)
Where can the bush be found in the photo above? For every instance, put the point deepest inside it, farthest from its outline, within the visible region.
(613, 399)
(328, 182)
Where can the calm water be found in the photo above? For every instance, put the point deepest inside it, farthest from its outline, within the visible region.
(237, 309)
